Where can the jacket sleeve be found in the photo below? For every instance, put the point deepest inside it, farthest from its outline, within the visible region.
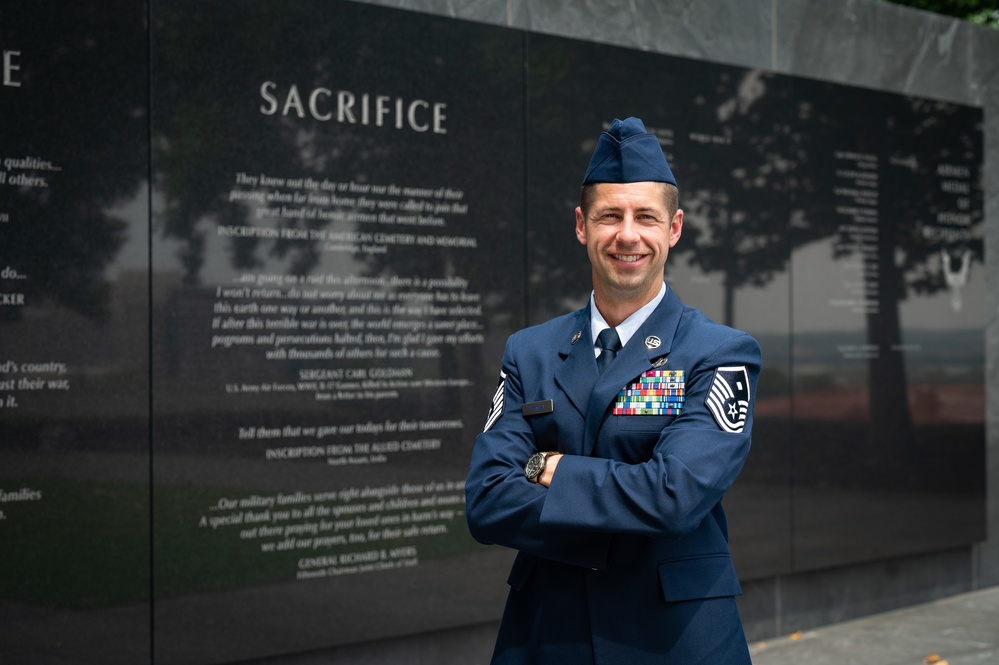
(694, 462)
(502, 506)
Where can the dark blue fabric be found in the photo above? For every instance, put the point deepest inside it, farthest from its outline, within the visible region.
(624, 559)
(626, 152)
(609, 343)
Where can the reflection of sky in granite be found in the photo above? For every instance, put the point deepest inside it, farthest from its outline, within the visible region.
(822, 281)
(762, 310)
(134, 252)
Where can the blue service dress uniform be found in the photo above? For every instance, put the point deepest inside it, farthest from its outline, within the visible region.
(625, 558)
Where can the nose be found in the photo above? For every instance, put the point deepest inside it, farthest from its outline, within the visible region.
(627, 232)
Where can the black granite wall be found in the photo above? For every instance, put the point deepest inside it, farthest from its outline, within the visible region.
(258, 267)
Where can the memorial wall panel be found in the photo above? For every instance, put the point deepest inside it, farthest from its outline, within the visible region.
(888, 319)
(337, 265)
(74, 374)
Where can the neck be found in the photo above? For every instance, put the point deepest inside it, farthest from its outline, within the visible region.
(617, 307)
(614, 316)
(616, 311)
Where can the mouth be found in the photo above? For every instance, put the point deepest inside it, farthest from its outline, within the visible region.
(627, 258)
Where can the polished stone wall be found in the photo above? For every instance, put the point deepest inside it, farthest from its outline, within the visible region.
(856, 42)
(874, 50)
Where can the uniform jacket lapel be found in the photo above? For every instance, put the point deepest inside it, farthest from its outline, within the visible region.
(578, 371)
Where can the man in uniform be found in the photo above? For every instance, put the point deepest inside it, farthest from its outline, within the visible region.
(613, 436)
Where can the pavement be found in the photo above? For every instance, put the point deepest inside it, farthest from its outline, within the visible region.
(959, 630)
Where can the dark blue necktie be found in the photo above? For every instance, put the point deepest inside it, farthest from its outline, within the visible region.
(610, 344)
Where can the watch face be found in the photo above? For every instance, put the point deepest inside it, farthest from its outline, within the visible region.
(535, 465)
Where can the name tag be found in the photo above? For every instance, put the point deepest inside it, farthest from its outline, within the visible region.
(537, 408)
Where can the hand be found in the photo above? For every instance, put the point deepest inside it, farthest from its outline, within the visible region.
(550, 464)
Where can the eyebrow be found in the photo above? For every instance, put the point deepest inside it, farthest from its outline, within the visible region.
(611, 208)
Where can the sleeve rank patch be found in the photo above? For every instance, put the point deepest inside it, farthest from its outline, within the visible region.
(496, 410)
(728, 398)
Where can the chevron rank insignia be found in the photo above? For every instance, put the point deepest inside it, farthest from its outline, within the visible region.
(728, 398)
(658, 392)
(496, 409)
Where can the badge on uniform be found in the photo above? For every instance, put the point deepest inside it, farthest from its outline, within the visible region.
(658, 392)
(496, 410)
(728, 399)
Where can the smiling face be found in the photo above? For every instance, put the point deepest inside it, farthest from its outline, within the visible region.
(628, 229)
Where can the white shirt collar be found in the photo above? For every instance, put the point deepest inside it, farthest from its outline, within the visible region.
(629, 326)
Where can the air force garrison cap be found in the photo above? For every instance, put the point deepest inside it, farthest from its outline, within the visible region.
(626, 152)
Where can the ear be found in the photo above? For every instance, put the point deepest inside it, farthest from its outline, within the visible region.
(580, 226)
(675, 228)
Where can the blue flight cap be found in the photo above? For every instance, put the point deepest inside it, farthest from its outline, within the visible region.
(628, 153)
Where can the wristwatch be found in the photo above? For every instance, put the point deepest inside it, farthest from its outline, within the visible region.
(536, 465)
